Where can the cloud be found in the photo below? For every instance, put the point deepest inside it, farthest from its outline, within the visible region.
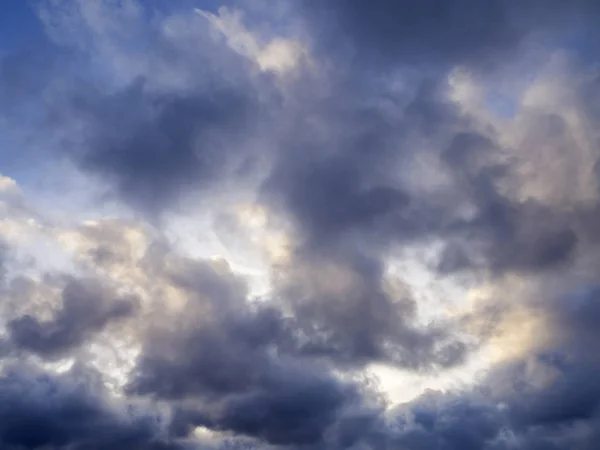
(537, 402)
(157, 148)
(435, 33)
(543, 398)
(374, 168)
(133, 109)
(227, 363)
(87, 307)
(346, 311)
(69, 411)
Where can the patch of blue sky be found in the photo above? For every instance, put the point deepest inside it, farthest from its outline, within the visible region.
(581, 44)
(19, 25)
(503, 105)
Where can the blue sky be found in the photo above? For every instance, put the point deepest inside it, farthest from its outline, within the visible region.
(19, 25)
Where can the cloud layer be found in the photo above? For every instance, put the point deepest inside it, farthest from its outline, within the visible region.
(223, 224)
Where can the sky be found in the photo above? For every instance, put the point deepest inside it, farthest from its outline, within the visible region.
(299, 225)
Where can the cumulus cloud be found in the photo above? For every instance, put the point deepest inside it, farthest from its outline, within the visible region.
(69, 411)
(85, 308)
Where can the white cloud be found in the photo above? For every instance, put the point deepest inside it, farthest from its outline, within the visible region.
(274, 54)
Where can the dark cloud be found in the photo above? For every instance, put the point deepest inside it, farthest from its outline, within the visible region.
(158, 148)
(234, 379)
(436, 421)
(574, 317)
(339, 310)
(349, 197)
(341, 177)
(233, 365)
(501, 233)
(178, 118)
(87, 307)
(510, 236)
(294, 408)
(536, 403)
(40, 411)
(571, 397)
(344, 310)
(354, 190)
(330, 198)
(546, 400)
(518, 234)
(437, 33)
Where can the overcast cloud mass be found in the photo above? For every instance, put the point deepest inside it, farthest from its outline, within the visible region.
(299, 224)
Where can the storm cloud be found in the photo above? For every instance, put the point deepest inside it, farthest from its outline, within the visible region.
(68, 411)
(87, 307)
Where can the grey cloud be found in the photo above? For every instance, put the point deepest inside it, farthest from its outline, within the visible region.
(511, 237)
(328, 197)
(69, 411)
(110, 244)
(502, 233)
(4, 257)
(234, 379)
(220, 330)
(238, 368)
(546, 400)
(87, 307)
(436, 33)
(353, 190)
(233, 365)
(205, 282)
(349, 188)
(344, 311)
(157, 148)
(554, 406)
(350, 201)
(334, 307)
(573, 317)
(341, 177)
(435, 421)
(572, 397)
(295, 408)
(168, 121)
